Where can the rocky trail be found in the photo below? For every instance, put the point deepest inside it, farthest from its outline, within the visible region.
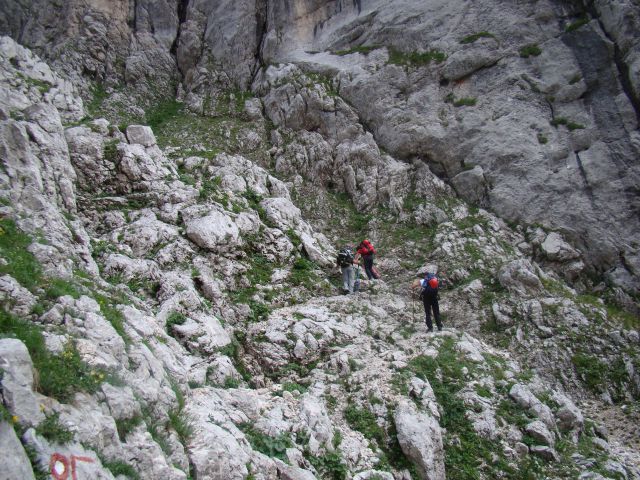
(170, 308)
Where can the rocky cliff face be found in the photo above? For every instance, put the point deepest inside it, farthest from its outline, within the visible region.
(530, 110)
(169, 307)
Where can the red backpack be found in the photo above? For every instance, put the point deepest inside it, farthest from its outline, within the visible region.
(366, 248)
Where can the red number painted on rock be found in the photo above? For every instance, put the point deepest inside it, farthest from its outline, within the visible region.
(59, 465)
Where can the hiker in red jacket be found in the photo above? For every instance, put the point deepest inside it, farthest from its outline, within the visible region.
(367, 252)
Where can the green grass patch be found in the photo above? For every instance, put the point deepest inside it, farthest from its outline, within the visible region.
(329, 465)
(476, 36)
(98, 96)
(21, 264)
(54, 431)
(181, 423)
(577, 24)
(365, 422)
(118, 467)
(275, 447)
(108, 308)
(465, 102)
(175, 318)
(163, 112)
(293, 386)
(126, 425)
(60, 375)
(396, 57)
(532, 50)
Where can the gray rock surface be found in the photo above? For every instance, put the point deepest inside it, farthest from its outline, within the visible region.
(17, 382)
(15, 463)
(420, 438)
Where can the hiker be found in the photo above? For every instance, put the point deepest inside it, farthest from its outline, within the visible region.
(367, 252)
(345, 261)
(429, 295)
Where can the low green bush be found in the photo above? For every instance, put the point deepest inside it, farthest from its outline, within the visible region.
(54, 431)
(532, 50)
(275, 447)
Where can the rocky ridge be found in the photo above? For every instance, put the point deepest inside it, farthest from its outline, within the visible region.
(184, 287)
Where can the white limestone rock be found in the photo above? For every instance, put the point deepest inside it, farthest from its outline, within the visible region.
(15, 463)
(539, 431)
(17, 299)
(17, 382)
(420, 437)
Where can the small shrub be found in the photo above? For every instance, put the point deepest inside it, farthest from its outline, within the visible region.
(126, 425)
(530, 50)
(365, 422)
(275, 447)
(175, 318)
(542, 140)
(291, 386)
(52, 430)
(559, 121)
(210, 187)
(575, 79)
(118, 467)
(329, 465)
(110, 151)
(231, 382)
(476, 36)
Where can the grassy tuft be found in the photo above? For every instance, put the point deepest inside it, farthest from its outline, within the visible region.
(163, 113)
(577, 24)
(275, 447)
(54, 431)
(397, 57)
(530, 51)
(476, 36)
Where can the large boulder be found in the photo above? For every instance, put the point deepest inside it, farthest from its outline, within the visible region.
(420, 438)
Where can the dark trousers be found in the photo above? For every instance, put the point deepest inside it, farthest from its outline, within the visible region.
(431, 302)
(368, 265)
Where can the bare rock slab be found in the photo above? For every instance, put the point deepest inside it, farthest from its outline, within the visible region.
(421, 440)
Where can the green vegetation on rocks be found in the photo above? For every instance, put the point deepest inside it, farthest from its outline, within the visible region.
(476, 36)
(396, 57)
(532, 50)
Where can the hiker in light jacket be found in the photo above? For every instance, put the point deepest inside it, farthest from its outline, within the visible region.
(345, 261)
(367, 252)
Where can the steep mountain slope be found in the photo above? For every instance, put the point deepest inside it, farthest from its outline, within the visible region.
(169, 304)
(487, 94)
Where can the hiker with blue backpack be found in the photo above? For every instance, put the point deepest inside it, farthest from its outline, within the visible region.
(429, 295)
